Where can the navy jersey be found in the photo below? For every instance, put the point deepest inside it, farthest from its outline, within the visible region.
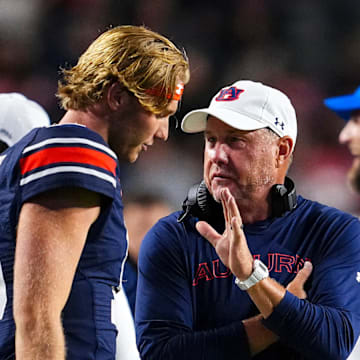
(67, 156)
(188, 306)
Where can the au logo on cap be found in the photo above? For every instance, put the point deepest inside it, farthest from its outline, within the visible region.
(229, 94)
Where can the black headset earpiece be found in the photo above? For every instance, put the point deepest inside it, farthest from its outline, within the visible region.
(201, 204)
(283, 198)
(206, 203)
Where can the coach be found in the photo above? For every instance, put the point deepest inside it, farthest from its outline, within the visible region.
(227, 283)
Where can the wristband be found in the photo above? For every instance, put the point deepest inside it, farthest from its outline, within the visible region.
(260, 272)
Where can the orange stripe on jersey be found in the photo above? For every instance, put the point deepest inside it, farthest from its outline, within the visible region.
(57, 155)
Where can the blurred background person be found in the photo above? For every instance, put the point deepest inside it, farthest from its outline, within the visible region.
(347, 107)
(142, 210)
(19, 115)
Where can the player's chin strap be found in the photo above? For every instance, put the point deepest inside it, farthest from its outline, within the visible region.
(201, 204)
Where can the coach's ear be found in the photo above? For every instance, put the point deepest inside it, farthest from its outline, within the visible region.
(285, 147)
(116, 95)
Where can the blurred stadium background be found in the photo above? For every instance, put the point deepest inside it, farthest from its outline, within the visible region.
(308, 49)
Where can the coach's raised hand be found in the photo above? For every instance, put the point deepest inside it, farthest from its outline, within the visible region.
(231, 246)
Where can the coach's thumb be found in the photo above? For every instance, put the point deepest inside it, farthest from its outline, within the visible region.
(304, 273)
(306, 270)
(296, 286)
(208, 232)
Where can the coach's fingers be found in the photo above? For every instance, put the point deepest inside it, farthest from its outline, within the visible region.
(208, 232)
(237, 231)
(303, 274)
(296, 286)
(237, 224)
(233, 208)
(225, 209)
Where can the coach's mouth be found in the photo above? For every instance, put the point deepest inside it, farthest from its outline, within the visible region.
(220, 176)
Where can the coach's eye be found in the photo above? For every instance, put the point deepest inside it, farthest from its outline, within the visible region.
(211, 139)
(234, 139)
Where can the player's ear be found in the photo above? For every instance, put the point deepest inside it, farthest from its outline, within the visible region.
(115, 96)
(285, 146)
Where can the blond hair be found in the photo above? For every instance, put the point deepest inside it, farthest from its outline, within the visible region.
(138, 58)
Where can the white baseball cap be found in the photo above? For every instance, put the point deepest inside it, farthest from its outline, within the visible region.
(247, 105)
(18, 115)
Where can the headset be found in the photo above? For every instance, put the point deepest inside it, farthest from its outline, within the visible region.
(201, 204)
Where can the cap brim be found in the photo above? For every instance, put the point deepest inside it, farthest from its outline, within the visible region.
(344, 105)
(195, 121)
